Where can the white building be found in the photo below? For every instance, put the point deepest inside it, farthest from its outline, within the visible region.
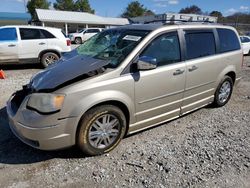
(74, 21)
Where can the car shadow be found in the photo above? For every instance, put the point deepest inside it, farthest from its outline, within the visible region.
(13, 151)
(21, 66)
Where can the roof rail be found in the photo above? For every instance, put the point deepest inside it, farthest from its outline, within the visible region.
(173, 18)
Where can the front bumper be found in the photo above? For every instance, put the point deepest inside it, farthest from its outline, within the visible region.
(50, 137)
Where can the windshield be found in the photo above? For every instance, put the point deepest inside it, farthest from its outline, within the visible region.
(81, 30)
(112, 45)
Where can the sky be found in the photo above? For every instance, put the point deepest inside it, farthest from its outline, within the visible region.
(114, 8)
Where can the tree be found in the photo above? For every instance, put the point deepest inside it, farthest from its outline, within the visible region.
(33, 4)
(135, 9)
(216, 14)
(64, 5)
(83, 6)
(148, 13)
(191, 10)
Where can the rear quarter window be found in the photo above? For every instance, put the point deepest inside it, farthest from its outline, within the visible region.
(47, 34)
(228, 40)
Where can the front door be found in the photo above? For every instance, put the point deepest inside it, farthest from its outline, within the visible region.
(8, 45)
(159, 92)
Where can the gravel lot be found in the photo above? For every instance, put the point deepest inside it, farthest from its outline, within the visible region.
(207, 148)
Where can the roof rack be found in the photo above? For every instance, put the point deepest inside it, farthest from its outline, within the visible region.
(173, 18)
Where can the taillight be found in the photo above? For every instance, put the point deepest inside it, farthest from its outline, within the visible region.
(68, 42)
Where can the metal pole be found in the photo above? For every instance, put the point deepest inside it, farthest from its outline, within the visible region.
(66, 28)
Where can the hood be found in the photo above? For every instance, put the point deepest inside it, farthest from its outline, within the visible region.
(69, 67)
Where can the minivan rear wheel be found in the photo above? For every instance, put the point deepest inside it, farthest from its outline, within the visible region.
(101, 129)
(223, 92)
(48, 59)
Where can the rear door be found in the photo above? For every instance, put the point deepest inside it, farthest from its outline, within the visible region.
(203, 68)
(32, 43)
(8, 45)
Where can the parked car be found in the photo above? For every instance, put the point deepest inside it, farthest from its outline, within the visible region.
(83, 35)
(245, 40)
(124, 80)
(32, 44)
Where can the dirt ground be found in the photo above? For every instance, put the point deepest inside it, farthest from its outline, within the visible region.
(207, 148)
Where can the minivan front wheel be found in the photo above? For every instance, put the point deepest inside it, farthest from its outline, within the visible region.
(223, 92)
(101, 129)
(48, 59)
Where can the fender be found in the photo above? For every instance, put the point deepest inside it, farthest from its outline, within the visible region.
(90, 101)
(225, 71)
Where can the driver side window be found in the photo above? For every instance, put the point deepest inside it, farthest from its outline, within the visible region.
(165, 48)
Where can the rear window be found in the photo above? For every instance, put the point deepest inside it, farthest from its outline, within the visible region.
(8, 34)
(199, 44)
(228, 40)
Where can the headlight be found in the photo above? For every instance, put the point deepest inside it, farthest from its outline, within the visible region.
(46, 103)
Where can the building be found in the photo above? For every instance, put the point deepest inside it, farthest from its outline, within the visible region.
(73, 21)
(11, 18)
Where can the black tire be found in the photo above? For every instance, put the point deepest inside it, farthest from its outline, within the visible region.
(49, 58)
(78, 40)
(88, 125)
(220, 99)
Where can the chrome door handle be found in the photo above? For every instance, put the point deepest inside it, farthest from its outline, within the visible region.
(11, 45)
(178, 71)
(192, 68)
(41, 43)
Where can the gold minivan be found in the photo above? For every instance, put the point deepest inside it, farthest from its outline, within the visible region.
(124, 80)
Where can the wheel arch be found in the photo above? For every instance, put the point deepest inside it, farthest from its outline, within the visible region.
(228, 71)
(123, 107)
(46, 51)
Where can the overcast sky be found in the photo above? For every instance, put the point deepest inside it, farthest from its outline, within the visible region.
(114, 8)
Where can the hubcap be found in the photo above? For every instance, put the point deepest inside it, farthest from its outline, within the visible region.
(225, 91)
(104, 131)
(50, 59)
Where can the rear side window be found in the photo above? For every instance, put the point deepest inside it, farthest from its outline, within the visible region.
(199, 44)
(7, 34)
(228, 40)
(47, 34)
(165, 49)
(92, 31)
(29, 34)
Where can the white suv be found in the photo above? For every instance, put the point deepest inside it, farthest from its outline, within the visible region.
(30, 44)
(83, 35)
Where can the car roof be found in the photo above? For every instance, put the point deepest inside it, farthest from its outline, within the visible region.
(29, 26)
(155, 26)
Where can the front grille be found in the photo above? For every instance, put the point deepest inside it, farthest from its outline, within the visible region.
(18, 98)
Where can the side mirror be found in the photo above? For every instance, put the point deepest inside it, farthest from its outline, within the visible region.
(146, 63)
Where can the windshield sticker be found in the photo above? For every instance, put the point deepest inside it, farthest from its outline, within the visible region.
(131, 37)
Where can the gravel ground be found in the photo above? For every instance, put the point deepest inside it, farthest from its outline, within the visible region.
(207, 148)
